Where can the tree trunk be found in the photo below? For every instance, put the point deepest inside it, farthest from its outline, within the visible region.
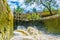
(50, 12)
(6, 21)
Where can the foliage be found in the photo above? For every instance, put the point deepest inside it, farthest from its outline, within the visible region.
(52, 25)
(59, 11)
(38, 17)
(45, 10)
(52, 9)
(18, 10)
(31, 1)
(27, 1)
(6, 20)
(34, 10)
(49, 4)
(29, 17)
(35, 16)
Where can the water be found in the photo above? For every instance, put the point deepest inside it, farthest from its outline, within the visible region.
(21, 27)
(32, 33)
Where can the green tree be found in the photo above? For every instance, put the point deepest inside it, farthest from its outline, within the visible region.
(34, 10)
(59, 11)
(46, 3)
(18, 10)
(34, 16)
(49, 4)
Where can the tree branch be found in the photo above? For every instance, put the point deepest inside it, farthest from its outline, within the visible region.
(43, 4)
(49, 8)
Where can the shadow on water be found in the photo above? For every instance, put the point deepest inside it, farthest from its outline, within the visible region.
(38, 24)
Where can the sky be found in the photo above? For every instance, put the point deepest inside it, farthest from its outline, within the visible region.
(26, 8)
